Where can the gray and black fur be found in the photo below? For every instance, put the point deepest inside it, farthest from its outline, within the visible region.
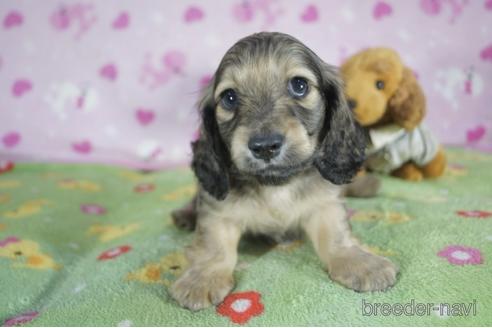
(340, 149)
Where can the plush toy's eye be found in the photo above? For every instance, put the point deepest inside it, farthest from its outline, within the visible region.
(229, 99)
(379, 85)
(298, 87)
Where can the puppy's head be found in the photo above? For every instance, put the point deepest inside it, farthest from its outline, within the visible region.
(273, 110)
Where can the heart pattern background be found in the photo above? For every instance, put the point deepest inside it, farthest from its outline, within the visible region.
(117, 82)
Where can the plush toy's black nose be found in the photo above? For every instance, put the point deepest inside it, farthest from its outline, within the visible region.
(352, 103)
(266, 146)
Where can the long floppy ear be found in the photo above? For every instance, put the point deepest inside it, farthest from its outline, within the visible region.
(407, 105)
(342, 141)
(211, 158)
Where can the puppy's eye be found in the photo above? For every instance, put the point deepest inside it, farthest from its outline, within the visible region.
(379, 85)
(229, 99)
(298, 87)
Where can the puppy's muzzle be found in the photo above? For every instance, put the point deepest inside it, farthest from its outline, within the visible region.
(266, 146)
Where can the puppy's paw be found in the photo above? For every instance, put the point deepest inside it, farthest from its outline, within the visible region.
(362, 271)
(195, 290)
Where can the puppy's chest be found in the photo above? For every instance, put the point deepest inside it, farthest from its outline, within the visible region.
(276, 210)
(270, 211)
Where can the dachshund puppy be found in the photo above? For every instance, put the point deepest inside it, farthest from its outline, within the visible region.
(276, 141)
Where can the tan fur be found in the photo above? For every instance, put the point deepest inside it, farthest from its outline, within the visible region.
(305, 201)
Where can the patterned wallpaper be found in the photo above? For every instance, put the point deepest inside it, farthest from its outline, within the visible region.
(117, 81)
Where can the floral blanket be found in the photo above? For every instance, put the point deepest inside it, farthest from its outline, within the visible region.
(94, 245)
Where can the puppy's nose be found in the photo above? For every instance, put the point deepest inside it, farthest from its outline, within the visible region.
(267, 146)
(351, 103)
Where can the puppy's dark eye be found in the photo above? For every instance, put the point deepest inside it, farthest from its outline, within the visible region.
(379, 85)
(298, 87)
(229, 99)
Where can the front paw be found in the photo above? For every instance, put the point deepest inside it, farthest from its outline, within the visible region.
(362, 271)
(197, 289)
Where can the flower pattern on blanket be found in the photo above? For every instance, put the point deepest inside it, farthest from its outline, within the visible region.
(108, 232)
(10, 184)
(4, 198)
(26, 254)
(100, 247)
(455, 170)
(82, 185)
(461, 255)
(28, 208)
(388, 217)
(163, 272)
(241, 307)
(183, 192)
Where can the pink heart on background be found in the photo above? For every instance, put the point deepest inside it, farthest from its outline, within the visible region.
(488, 4)
(14, 18)
(11, 139)
(109, 72)
(145, 116)
(60, 19)
(193, 14)
(82, 147)
(310, 14)
(121, 21)
(205, 80)
(381, 9)
(431, 7)
(243, 12)
(195, 136)
(175, 60)
(20, 87)
(486, 53)
(475, 134)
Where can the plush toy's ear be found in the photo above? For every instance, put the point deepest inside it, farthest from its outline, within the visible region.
(342, 141)
(211, 158)
(407, 105)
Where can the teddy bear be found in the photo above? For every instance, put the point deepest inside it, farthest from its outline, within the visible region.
(389, 103)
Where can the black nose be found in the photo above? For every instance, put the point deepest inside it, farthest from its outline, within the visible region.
(351, 103)
(267, 146)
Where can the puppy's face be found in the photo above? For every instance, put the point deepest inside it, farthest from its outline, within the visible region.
(274, 109)
(269, 111)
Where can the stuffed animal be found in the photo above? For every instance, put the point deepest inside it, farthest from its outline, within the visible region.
(388, 101)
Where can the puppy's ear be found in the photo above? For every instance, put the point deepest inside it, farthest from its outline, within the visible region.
(211, 158)
(407, 105)
(342, 141)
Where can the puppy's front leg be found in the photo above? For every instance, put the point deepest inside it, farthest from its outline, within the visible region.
(346, 261)
(212, 257)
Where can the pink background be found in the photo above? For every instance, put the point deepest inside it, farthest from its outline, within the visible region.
(116, 81)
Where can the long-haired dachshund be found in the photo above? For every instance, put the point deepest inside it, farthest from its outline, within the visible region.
(276, 141)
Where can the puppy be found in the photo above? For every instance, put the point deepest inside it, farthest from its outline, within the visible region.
(276, 141)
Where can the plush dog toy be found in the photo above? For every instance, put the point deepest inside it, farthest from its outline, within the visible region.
(389, 103)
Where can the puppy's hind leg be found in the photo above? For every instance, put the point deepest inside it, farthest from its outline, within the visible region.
(363, 186)
(212, 258)
(347, 262)
(186, 216)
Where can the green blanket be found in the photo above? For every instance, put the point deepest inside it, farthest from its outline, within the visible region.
(94, 245)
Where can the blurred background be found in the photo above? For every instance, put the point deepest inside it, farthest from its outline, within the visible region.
(116, 82)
